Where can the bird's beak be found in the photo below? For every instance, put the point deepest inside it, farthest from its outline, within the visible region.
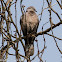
(35, 11)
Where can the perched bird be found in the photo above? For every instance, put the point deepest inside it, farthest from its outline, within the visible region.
(29, 24)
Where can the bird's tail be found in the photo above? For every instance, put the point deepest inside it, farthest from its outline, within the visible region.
(29, 50)
(29, 46)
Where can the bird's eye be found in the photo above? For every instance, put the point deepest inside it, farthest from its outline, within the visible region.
(26, 11)
(32, 11)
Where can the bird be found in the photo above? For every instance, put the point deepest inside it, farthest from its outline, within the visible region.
(29, 24)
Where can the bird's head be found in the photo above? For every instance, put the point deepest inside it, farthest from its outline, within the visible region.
(31, 9)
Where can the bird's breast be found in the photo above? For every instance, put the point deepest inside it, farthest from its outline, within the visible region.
(32, 19)
(29, 21)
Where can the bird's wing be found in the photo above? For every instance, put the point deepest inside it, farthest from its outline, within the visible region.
(23, 26)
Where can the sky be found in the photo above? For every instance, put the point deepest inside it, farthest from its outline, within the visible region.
(51, 53)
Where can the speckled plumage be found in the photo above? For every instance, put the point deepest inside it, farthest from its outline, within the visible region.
(29, 24)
